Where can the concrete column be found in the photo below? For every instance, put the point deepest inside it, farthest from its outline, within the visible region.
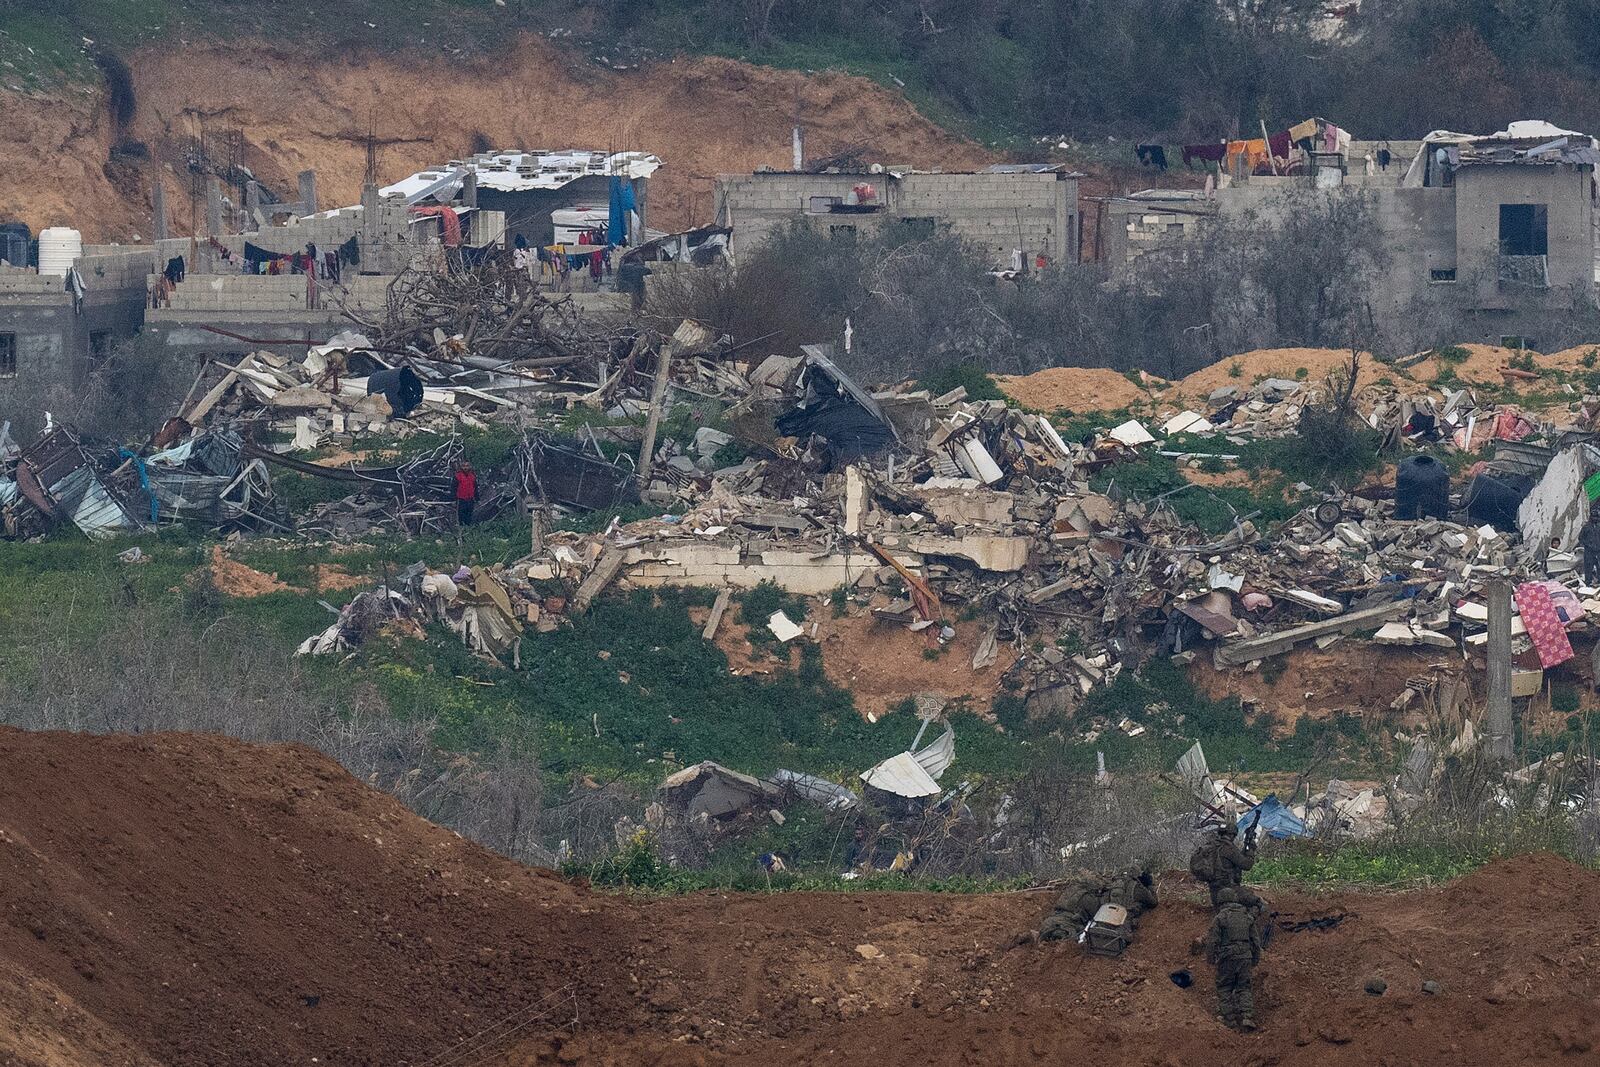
(308, 192)
(469, 189)
(1499, 710)
(213, 207)
(641, 188)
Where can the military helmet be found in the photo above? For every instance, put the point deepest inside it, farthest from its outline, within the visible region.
(1228, 827)
(1227, 896)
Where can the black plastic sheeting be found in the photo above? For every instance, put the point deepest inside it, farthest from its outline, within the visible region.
(1494, 499)
(401, 387)
(850, 430)
(1421, 489)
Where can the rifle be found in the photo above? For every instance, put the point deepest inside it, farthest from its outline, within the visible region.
(1250, 834)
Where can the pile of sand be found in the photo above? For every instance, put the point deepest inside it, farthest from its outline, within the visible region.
(1303, 364)
(1074, 389)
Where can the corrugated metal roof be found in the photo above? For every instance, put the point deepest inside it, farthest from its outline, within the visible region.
(516, 172)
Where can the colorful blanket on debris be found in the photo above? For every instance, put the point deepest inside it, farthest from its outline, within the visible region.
(1545, 628)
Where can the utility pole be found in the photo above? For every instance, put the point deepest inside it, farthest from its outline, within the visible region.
(1499, 718)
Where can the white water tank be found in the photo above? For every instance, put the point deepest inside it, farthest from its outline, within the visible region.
(59, 249)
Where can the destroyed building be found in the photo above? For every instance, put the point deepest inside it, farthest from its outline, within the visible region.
(1022, 215)
(237, 292)
(1499, 226)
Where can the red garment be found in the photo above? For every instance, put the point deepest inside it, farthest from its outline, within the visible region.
(466, 485)
(451, 221)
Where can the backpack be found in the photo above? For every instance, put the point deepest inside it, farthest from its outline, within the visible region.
(1203, 864)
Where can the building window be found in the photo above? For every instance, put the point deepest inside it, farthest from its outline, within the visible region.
(1520, 344)
(842, 233)
(1524, 230)
(8, 355)
(99, 345)
(918, 229)
(1442, 274)
(821, 205)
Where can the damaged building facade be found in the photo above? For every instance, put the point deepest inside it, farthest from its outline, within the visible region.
(1020, 214)
(1500, 227)
(232, 293)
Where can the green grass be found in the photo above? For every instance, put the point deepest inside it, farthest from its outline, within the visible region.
(1371, 865)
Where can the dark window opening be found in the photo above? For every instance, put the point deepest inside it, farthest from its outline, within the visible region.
(99, 345)
(1524, 230)
(821, 205)
(1442, 274)
(919, 229)
(8, 355)
(1520, 344)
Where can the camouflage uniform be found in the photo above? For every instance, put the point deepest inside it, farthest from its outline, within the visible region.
(1234, 947)
(1220, 862)
(1074, 908)
(1260, 911)
(1135, 891)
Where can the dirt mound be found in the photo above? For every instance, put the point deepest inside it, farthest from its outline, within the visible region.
(1572, 359)
(195, 900)
(1481, 367)
(182, 899)
(1308, 364)
(1077, 389)
(236, 579)
(702, 116)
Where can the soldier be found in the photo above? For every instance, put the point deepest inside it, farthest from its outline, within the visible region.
(1260, 911)
(1219, 862)
(1234, 947)
(1135, 891)
(1074, 908)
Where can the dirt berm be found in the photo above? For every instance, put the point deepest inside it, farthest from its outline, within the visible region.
(186, 900)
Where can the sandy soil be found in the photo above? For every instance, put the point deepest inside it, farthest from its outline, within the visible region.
(1482, 366)
(1358, 679)
(703, 116)
(186, 900)
(1317, 363)
(235, 579)
(882, 662)
(1071, 389)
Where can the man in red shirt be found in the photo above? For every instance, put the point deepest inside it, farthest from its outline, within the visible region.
(466, 492)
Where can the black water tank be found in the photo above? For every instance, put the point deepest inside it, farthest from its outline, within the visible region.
(15, 240)
(1421, 488)
(1495, 498)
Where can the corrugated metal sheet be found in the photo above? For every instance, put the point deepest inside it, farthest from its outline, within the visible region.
(903, 776)
(90, 506)
(937, 757)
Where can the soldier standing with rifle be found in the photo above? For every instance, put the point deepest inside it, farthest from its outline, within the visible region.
(1219, 862)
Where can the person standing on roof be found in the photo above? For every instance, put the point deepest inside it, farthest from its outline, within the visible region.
(466, 492)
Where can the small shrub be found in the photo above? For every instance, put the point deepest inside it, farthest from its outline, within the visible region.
(1236, 369)
(1453, 355)
(1590, 357)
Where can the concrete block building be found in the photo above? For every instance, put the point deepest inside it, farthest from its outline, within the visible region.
(1016, 213)
(1500, 227)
